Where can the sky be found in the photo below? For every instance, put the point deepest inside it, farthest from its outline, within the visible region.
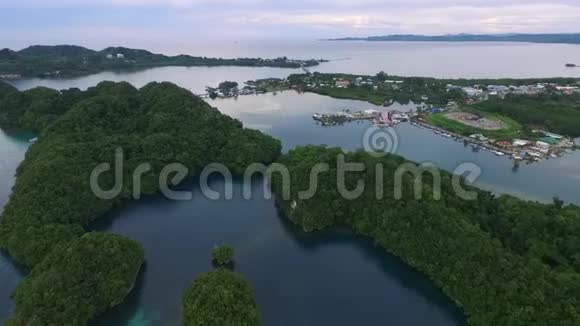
(99, 23)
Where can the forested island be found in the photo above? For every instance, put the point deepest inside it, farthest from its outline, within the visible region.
(69, 61)
(74, 275)
(503, 261)
(572, 38)
(220, 297)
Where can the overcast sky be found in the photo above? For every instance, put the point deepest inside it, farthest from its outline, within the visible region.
(98, 22)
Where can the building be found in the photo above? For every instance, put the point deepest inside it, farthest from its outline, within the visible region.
(479, 137)
(552, 135)
(521, 142)
(120, 56)
(504, 144)
(472, 92)
(542, 145)
(110, 56)
(342, 83)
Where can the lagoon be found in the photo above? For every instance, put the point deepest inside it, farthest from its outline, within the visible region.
(302, 279)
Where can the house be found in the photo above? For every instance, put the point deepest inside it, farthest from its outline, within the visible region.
(479, 137)
(521, 142)
(110, 56)
(453, 88)
(549, 140)
(120, 56)
(504, 144)
(552, 135)
(542, 145)
(342, 83)
(472, 92)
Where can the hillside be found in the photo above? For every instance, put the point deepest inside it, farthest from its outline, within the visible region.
(53, 201)
(70, 60)
(502, 260)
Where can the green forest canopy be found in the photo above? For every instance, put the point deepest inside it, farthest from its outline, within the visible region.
(509, 262)
(220, 298)
(78, 281)
(503, 260)
(70, 60)
(52, 201)
(222, 255)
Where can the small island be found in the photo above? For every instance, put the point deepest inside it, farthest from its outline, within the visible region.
(222, 255)
(555, 38)
(62, 61)
(221, 298)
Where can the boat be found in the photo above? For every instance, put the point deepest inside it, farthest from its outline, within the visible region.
(570, 65)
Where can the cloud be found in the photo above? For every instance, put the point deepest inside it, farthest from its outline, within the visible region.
(455, 19)
(38, 20)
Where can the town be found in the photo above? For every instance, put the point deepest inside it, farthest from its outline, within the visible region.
(449, 108)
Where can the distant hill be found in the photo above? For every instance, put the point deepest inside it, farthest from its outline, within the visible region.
(530, 38)
(71, 60)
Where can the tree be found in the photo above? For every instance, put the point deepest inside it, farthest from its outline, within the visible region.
(382, 76)
(220, 298)
(223, 255)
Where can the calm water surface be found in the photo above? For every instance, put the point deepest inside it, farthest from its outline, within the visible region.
(450, 60)
(304, 279)
(12, 149)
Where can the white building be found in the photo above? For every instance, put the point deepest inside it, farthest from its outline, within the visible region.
(521, 142)
(120, 56)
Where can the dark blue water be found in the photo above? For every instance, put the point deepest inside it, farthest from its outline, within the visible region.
(328, 278)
